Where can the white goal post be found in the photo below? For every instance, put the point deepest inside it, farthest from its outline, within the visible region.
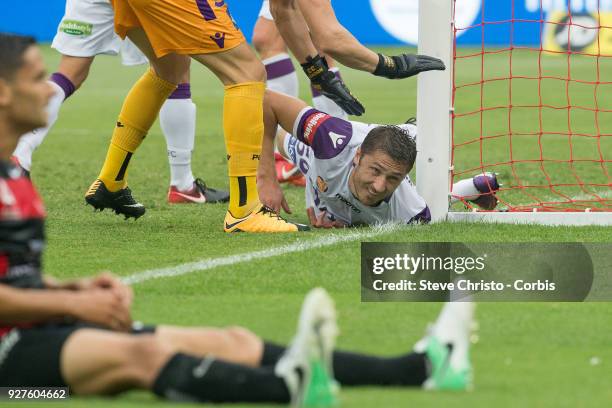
(434, 118)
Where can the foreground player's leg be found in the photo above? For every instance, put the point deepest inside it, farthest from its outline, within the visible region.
(105, 362)
(438, 361)
(177, 119)
(71, 73)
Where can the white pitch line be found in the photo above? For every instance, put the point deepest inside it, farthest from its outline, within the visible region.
(211, 263)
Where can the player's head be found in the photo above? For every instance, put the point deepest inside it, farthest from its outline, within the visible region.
(382, 162)
(24, 91)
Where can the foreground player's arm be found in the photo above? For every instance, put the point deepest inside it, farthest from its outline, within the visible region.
(104, 280)
(39, 305)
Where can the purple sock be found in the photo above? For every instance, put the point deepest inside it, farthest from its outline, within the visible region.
(183, 91)
(63, 82)
(279, 68)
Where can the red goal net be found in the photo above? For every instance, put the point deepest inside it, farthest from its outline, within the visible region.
(533, 103)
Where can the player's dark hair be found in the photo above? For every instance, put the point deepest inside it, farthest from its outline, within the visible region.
(393, 141)
(12, 48)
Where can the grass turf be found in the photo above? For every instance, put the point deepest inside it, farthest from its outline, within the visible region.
(528, 354)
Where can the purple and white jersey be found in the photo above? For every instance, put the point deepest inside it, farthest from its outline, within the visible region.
(323, 147)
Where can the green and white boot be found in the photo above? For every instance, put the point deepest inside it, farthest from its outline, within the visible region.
(306, 365)
(447, 348)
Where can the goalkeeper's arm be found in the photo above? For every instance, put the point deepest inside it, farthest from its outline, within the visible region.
(298, 20)
(316, 18)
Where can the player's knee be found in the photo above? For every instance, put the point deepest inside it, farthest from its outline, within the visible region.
(259, 40)
(147, 355)
(246, 343)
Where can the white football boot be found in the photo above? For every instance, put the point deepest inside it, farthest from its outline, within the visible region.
(306, 366)
(447, 348)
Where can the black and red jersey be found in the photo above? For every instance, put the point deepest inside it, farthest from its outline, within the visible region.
(22, 235)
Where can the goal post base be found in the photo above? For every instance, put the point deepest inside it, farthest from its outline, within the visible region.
(536, 218)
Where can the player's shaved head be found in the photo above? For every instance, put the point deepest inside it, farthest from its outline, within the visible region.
(12, 48)
(393, 141)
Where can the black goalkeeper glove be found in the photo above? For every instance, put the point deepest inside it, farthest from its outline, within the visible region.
(326, 82)
(406, 65)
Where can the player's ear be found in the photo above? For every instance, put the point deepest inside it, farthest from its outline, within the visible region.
(5, 92)
(357, 156)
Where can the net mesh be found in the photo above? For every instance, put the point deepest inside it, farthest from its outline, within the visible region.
(537, 114)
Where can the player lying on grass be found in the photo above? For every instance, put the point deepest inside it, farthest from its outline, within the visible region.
(356, 173)
(86, 30)
(80, 333)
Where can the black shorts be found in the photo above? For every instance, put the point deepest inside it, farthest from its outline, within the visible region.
(31, 357)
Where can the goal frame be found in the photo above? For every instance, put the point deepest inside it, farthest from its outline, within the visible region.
(434, 118)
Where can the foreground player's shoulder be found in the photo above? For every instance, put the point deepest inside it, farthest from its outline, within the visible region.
(327, 135)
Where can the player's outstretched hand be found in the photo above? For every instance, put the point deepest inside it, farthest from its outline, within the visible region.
(323, 220)
(326, 82)
(271, 195)
(406, 65)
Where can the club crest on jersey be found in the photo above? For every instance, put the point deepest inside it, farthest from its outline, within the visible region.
(321, 184)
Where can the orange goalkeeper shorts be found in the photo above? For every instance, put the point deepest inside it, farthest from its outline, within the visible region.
(180, 26)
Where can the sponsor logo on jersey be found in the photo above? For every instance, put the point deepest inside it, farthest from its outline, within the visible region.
(74, 27)
(348, 203)
(312, 124)
(321, 184)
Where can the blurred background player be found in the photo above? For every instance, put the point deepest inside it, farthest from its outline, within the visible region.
(282, 78)
(356, 173)
(168, 33)
(85, 31)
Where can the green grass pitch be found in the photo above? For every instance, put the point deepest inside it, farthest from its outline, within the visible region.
(527, 354)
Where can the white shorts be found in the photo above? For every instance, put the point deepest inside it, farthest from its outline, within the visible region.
(264, 12)
(87, 30)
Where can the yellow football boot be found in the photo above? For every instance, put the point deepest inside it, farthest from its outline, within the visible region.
(262, 219)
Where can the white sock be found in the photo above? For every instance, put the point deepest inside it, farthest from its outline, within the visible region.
(464, 189)
(324, 104)
(177, 119)
(281, 75)
(31, 140)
